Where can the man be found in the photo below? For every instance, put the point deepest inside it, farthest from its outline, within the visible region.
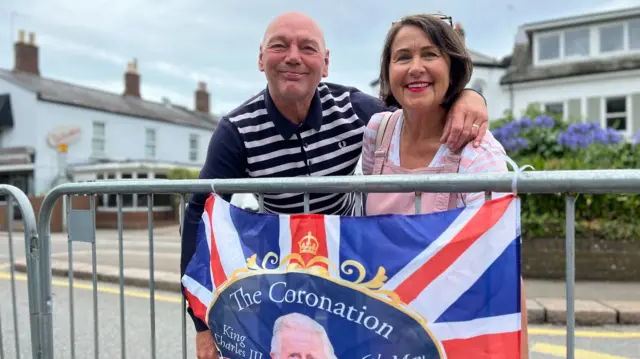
(296, 335)
(298, 126)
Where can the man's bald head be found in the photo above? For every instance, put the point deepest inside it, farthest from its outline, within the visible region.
(294, 58)
(294, 21)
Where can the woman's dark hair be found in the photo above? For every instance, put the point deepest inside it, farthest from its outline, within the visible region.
(445, 38)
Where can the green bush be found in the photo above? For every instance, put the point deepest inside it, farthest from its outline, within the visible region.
(548, 144)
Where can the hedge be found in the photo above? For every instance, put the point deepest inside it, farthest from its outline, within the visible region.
(549, 144)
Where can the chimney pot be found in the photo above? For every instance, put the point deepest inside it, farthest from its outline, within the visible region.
(132, 79)
(202, 98)
(26, 54)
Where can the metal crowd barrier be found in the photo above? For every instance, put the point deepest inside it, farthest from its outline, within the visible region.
(12, 194)
(567, 182)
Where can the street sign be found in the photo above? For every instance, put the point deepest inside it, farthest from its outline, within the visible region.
(63, 135)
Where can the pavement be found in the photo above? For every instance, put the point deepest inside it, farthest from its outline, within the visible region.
(597, 303)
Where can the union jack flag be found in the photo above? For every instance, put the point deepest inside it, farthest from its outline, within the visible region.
(459, 269)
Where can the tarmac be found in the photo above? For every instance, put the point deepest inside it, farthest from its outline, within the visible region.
(596, 303)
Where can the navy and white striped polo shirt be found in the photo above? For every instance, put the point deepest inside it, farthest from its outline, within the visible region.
(255, 140)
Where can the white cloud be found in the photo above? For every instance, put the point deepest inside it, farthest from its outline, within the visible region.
(73, 48)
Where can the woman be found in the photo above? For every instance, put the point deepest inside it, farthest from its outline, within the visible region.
(424, 67)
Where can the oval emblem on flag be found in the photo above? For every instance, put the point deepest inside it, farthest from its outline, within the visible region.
(299, 310)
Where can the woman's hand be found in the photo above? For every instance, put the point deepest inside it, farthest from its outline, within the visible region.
(468, 121)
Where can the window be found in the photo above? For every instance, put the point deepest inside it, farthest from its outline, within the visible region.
(150, 146)
(135, 202)
(193, 147)
(554, 108)
(98, 139)
(576, 42)
(634, 35)
(549, 47)
(616, 113)
(612, 38)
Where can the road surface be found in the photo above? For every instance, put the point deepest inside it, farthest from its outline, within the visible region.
(546, 342)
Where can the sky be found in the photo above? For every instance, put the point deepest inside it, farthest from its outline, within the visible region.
(180, 42)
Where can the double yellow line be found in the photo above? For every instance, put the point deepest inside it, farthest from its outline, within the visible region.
(111, 289)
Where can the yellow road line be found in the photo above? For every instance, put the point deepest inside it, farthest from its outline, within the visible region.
(102, 289)
(561, 352)
(177, 299)
(585, 333)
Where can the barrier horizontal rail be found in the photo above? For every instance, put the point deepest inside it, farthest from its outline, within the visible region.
(570, 182)
(31, 253)
(583, 181)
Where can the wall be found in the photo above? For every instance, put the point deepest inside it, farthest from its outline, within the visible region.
(595, 259)
(23, 106)
(124, 139)
(489, 79)
(580, 88)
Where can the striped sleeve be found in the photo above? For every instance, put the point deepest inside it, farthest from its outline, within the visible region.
(369, 143)
(486, 159)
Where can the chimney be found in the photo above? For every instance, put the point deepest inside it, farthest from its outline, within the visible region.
(202, 98)
(26, 54)
(132, 79)
(459, 30)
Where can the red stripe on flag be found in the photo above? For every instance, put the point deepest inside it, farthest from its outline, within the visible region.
(308, 230)
(484, 219)
(199, 309)
(219, 276)
(490, 346)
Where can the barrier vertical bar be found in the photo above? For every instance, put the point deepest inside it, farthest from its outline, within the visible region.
(182, 299)
(1, 339)
(358, 204)
(306, 202)
(570, 218)
(94, 275)
(12, 266)
(418, 202)
(123, 349)
(261, 202)
(72, 332)
(152, 304)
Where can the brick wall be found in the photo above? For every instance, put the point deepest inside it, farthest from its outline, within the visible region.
(131, 220)
(595, 259)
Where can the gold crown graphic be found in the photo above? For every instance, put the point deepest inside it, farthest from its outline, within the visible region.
(308, 244)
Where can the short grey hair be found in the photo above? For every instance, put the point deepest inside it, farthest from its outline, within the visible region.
(297, 320)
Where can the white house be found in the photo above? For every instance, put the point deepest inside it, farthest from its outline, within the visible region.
(584, 67)
(113, 135)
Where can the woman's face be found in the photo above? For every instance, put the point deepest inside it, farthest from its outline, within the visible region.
(418, 72)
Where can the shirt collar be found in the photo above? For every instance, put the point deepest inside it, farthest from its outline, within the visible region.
(287, 128)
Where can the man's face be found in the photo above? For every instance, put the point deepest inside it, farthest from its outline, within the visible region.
(300, 344)
(293, 58)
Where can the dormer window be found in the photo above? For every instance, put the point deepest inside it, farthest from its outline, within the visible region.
(634, 35)
(585, 42)
(549, 47)
(611, 38)
(576, 42)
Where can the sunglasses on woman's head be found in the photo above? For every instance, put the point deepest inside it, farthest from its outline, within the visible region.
(443, 17)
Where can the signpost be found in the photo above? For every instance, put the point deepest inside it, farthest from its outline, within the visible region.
(60, 138)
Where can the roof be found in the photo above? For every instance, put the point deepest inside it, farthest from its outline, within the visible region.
(582, 19)
(73, 95)
(521, 68)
